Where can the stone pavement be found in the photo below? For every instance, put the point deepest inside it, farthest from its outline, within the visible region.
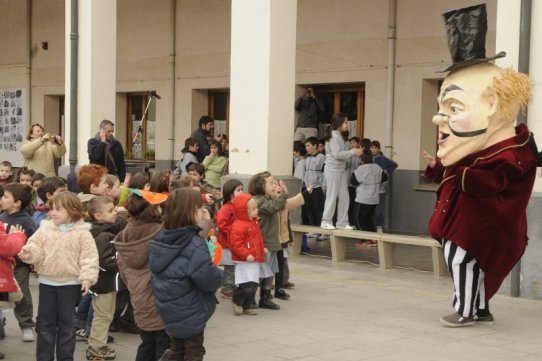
(351, 311)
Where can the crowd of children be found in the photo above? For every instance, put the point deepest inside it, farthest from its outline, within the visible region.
(348, 178)
(141, 255)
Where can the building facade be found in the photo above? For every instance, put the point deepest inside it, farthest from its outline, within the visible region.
(341, 50)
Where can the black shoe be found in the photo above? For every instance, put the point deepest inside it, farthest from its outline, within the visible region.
(114, 326)
(129, 327)
(267, 303)
(110, 339)
(280, 294)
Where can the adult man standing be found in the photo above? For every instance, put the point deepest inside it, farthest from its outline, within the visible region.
(206, 127)
(486, 168)
(309, 107)
(106, 150)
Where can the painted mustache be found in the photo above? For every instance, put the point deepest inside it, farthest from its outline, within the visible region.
(441, 118)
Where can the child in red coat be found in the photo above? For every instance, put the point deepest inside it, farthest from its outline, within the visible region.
(224, 219)
(10, 245)
(246, 245)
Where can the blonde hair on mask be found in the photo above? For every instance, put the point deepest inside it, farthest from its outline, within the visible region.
(513, 89)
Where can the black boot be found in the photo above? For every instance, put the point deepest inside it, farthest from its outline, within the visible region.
(279, 291)
(280, 294)
(265, 300)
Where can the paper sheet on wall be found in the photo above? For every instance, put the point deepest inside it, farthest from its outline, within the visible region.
(12, 125)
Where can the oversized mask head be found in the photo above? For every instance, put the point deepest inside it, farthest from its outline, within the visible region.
(478, 106)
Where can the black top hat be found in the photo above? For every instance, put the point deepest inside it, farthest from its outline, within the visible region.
(466, 29)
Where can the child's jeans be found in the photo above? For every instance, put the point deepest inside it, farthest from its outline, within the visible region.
(24, 310)
(153, 345)
(56, 322)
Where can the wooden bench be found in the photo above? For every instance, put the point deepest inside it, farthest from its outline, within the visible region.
(298, 230)
(386, 245)
(386, 251)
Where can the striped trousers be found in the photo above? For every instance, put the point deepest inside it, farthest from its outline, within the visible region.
(468, 278)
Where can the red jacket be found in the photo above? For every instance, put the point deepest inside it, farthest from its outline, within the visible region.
(10, 246)
(245, 236)
(224, 219)
(481, 204)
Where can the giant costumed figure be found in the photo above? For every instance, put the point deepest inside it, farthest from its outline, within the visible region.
(486, 168)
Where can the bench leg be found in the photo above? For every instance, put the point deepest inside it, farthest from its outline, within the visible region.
(296, 246)
(439, 264)
(338, 248)
(386, 252)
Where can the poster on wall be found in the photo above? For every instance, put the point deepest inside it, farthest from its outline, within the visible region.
(12, 125)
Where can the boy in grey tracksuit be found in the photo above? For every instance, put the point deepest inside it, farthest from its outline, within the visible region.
(314, 178)
(367, 179)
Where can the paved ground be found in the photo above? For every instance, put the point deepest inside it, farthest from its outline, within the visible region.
(352, 311)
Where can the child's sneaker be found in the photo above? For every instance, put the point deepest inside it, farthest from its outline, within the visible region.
(28, 334)
(250, 311)
(288, 285)
(237, 310)
(226, 294)
(102, 353)
(108, 352)
(326, 225)
(81, 335)
(323, 237)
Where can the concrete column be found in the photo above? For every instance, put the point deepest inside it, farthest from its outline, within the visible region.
(96, 70)
(508, 28)
(534, 118)
(507, 38)
(262, 85)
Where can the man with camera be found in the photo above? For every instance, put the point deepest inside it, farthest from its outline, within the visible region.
(309, 107)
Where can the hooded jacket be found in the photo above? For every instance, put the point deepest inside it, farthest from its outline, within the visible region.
(104, 234)
(132, 245)
(245, 235)
(24, 220)
(64, 256)
(10, 245)
(109, 155)
(224, 219)
(269, 213)
(184, 280)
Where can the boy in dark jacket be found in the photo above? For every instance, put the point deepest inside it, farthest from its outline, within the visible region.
(106, 224)
(15, 199)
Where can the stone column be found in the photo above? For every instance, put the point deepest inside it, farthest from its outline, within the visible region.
(535, 73)
(508, 33)
(262, 85)
(97, 72)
